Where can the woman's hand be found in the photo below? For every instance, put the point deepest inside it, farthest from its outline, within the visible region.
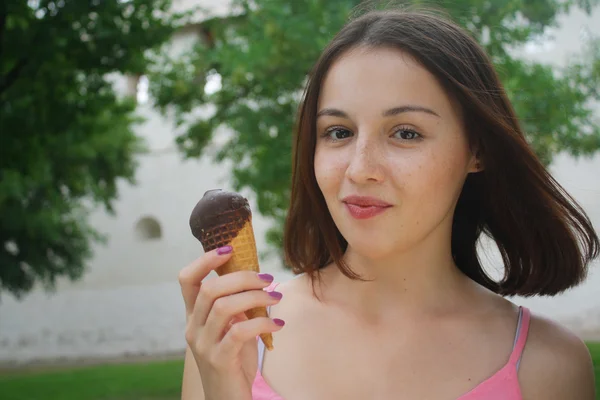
(220, 336)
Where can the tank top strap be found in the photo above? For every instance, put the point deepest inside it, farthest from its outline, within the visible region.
(520, 336)
(261, 345)
(261, 353)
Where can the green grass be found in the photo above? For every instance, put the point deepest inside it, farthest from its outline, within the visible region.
(148, 381)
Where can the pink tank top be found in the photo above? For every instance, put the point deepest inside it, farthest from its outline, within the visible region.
(503, 385)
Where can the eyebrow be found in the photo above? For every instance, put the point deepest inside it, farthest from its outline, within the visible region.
(332, 112)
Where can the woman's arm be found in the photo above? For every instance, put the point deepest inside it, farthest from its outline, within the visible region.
(191, 387)
(556, 364)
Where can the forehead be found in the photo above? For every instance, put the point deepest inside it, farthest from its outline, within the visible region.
(372, 79)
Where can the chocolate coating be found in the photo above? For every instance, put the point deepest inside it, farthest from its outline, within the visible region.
(219, 208)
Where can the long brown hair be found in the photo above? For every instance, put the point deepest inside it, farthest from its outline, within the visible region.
(546, 240)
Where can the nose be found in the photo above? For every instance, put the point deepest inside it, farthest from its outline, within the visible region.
(366, 162)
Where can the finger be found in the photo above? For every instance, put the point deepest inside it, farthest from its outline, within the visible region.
(238, 318)
(225, 308)
(242, 332)
(190, 277)
(226, 285)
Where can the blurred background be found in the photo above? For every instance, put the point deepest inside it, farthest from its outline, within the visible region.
(116, 116)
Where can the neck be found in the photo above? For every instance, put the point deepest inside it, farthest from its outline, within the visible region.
(421, 279)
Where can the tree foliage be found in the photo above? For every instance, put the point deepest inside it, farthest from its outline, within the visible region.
(66, 137)
(262, 52)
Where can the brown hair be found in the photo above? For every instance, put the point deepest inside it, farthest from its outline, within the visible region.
(546, 240)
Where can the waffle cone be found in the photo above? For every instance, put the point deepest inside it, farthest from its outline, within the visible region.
(244, 258)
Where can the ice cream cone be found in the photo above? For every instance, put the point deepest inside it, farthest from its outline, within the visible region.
(235, 229)
(245, 257)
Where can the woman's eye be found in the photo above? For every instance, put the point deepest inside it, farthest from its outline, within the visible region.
(338, 133)
(406, 134)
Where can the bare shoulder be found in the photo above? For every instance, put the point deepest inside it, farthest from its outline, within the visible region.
(556, 364)
(292, 289)
(295, 286)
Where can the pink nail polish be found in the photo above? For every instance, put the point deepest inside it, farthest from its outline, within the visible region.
(224, 250)
(276, 295)
(266, 277)
(279, 322)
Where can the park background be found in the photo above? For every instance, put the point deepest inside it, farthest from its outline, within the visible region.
(124, 308)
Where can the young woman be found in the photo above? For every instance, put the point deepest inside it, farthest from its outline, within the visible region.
(407, 150)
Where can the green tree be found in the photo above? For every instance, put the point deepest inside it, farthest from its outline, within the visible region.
(262, 52)
(65, 136)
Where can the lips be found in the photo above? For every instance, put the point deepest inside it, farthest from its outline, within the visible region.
(365, 201)
(364, 207)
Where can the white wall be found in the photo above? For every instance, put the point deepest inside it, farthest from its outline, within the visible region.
(129, 301)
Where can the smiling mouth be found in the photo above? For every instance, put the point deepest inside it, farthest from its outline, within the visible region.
(359, 211)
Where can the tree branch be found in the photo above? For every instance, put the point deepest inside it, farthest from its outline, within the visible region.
(10, 78)
(13, 74)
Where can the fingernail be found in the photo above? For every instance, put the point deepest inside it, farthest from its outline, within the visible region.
(224, 250)
(266, 277)
(276, 295)
(279, 322)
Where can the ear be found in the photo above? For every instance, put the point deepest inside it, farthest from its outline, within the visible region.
(475, 163)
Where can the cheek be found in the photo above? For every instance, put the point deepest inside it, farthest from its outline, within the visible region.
(329, 171)
(437, 176)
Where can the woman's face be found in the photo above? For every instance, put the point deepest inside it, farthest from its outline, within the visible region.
(391, 155)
